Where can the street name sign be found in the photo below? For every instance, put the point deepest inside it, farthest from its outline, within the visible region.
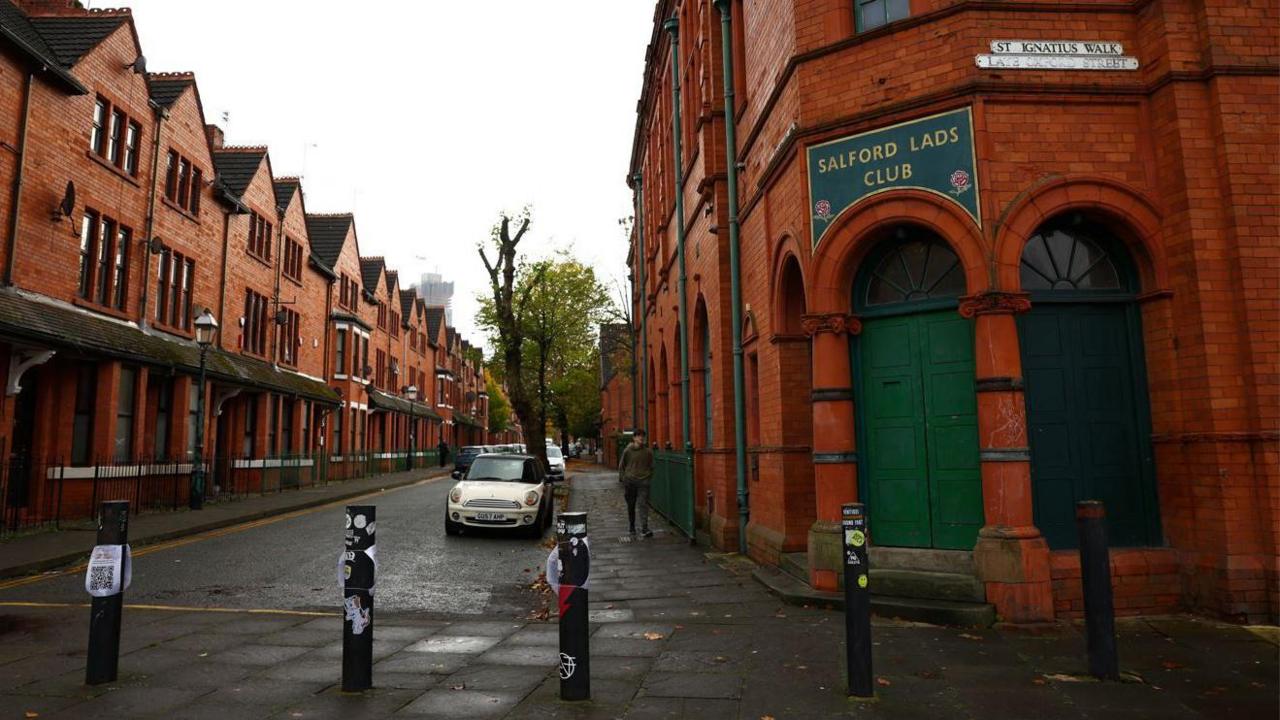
(1056, 55)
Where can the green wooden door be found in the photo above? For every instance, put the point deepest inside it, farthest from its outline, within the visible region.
(920, 427)
(1083, 421)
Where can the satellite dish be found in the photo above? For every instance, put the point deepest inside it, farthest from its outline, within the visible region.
(140, 65)
(68, 204)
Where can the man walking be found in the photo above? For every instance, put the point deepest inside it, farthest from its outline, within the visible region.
(635, 470)
(443, 449)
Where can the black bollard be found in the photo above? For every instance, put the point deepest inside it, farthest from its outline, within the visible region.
(1095, 575)
(857, 600)
(358, 568)
(106, 574)
(574, 554)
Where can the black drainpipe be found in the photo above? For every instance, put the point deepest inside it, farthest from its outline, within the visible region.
(161, 115)
(15, 207)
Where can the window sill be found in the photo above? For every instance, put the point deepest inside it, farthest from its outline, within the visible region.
(123, 175)
(103, 309)
(292, 279)
(180, 210)
(265, 262)
(163, 327)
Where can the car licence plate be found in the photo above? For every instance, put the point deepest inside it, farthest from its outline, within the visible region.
(491, 516)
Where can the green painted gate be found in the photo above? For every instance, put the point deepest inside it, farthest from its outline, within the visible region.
(919, 419)
(671, 490)
(1088, 421)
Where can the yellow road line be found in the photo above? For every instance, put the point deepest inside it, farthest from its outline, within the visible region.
(177, 608)
(211, 534)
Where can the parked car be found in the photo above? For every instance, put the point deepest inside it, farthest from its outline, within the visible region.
(501, 491)
(555, 459)
(463, 459)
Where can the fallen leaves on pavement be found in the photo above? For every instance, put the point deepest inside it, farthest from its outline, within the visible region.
(653, 635)
(883, 682)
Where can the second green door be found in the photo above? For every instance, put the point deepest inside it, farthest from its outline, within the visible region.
(920, 430)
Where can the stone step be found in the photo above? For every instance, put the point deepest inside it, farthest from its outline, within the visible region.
(926, 585)
(925, 559)
(796, 565)
(936, 612)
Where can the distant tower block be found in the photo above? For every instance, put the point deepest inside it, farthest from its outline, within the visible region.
(435, 292)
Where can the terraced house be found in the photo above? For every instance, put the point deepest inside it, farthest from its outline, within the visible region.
(126, 218)
(967, 263)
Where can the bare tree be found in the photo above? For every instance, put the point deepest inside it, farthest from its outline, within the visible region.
(509, 322)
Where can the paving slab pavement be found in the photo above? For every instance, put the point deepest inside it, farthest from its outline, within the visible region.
(677, 633)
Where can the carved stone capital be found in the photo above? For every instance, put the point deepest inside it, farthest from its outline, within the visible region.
(836, 323)
(994, 302)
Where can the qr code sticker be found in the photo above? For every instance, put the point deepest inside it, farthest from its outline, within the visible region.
(101, 578)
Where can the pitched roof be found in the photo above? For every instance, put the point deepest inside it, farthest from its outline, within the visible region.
(370, 267)
(285, 187)
(435, 318)
(393, 279)
(71, 36)
(328, 233)
(407, 297)
(16, 27)
(166, 88)
(450, 335)
(236, 167)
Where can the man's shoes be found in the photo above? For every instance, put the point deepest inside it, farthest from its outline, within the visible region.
(647, 534)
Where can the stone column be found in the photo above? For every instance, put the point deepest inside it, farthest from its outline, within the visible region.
(835, 457)
(1011, 557)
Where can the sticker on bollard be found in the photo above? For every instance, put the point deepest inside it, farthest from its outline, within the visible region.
(110, 570)
(357, 570)
(857, 600)
(568, 573)
(106, 579)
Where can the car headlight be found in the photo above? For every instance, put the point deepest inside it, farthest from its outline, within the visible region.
(531, 498)
(455, 495)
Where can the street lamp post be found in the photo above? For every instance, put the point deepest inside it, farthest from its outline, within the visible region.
(411, 392)
(206, 330)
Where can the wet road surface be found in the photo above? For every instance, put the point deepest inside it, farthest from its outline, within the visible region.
(293, 564)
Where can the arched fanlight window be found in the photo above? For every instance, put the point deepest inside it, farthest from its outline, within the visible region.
(920, 266)
(1068, 258)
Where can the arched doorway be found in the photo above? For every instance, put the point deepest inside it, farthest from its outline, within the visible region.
(917, 410)
(700, 375)
(794, 393)
(1087, 406)
(664, 388)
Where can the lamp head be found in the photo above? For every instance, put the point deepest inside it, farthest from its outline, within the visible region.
(206, 328)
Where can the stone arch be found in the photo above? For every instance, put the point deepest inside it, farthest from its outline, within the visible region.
(1131, 216)
(856, 232)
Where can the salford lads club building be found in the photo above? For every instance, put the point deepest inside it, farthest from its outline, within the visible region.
(993, 259)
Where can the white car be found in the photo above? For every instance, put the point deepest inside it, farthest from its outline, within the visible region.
(555, 459)
(501, 491)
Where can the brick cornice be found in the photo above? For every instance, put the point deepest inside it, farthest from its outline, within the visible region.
(994, 302)
(835, 323)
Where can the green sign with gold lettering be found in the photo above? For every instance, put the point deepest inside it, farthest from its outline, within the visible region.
(934, 154)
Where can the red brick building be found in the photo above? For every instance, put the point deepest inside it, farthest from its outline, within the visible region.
(996, 259)
(125, 216)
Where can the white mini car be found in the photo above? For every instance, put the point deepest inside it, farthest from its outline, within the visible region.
(501, 491)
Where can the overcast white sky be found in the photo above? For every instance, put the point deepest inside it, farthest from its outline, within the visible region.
(426, 118)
